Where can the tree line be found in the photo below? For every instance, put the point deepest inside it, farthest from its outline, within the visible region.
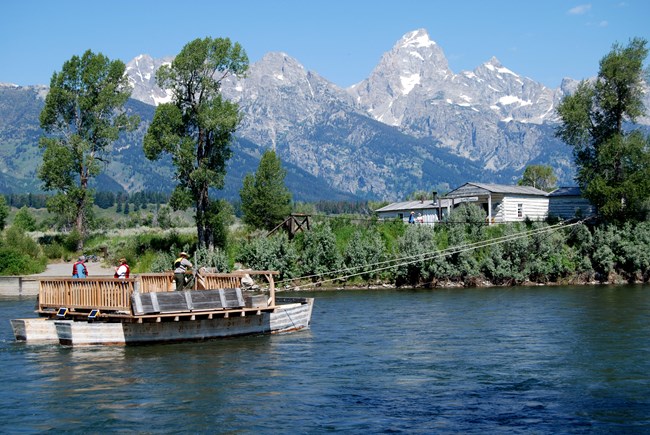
(103, 200)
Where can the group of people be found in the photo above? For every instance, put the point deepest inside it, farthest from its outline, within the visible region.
(79, 269)
(181, 266)
(413, 220)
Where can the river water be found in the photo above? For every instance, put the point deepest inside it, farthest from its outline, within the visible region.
(498, 360)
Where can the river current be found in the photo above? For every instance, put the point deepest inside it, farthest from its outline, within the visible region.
(497, 360)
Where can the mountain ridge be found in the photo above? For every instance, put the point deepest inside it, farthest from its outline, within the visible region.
(412, 125)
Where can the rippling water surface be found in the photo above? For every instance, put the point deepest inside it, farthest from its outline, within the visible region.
(515, 360)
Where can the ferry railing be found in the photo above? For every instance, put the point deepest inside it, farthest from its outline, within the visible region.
(86, 293)
(234, 279)
(156, 282)
(110, 294)
(164, 281)
(218, 280)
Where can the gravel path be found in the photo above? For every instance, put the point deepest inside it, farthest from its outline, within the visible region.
(65, 269)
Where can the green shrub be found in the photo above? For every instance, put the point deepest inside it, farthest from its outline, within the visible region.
(71, 241)
(24, 219)
(16, 239)
(215, 260)
(363, 253)
(603, 256)
(15, 262)
(415, 251)
(319, 255)
(390, 231)
(162, 262)
(20, 254)
(53, 251)
(270, 253)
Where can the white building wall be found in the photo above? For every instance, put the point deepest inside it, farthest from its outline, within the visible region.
(534, 208)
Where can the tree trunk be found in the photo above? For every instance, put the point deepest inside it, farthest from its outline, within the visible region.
(79, 219)
(204, 231)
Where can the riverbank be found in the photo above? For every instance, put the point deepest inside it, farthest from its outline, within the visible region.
(27, 285)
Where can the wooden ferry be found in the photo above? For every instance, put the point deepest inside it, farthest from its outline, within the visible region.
(147, 309)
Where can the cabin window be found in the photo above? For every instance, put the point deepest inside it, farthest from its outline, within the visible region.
(520, 210)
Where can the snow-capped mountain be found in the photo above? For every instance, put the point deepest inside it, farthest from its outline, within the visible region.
(490, 116)
(472, 113)
(142, 76)
(413, 124)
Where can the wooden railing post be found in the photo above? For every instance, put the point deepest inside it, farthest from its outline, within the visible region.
(269, 277)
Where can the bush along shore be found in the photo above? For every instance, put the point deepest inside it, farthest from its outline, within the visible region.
(463, 251)
(356, 252)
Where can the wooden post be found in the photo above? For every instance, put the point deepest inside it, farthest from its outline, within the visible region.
(269, 277)
(292, 225)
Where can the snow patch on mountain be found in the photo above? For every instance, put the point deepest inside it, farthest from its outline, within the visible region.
(409, 82)
(141, 72)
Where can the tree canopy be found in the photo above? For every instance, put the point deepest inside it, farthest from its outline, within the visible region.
(83, 115)
(265, 199)
(612, 157)
(540, 177)
(4, 212)
(25, 220)
(196, 127)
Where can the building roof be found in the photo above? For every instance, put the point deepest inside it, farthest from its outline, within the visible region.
(412, 206)
(566, 191)
(469, 189)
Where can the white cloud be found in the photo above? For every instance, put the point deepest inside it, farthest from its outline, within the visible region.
(580, 9)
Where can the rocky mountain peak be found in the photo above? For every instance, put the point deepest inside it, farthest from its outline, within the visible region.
(141, 72)
(491, 117)
(416, 39)
(278, 94)
(415, 66)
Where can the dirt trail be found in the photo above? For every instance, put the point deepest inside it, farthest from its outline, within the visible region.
(65, 269)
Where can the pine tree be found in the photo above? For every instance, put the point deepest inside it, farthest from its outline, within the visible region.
(265, 199)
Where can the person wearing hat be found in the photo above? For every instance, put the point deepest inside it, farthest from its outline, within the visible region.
(412, 218)
(122, 271)
(181, 265)
(79, 268)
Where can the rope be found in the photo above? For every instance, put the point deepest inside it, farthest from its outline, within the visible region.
(411, 259)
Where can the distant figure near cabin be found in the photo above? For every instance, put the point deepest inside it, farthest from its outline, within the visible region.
(181, 265)
(420, 218)
(79, 268)
(412, 218)
(122, 271)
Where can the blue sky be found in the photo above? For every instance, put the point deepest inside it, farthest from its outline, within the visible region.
(342, 40)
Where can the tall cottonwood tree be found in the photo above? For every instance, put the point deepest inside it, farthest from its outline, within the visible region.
(265, 199)
(612, 158)
(196, 127)
(82, 117)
